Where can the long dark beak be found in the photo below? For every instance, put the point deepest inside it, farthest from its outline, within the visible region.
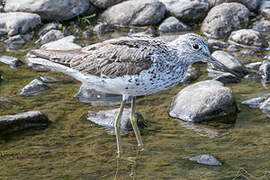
(222, 66)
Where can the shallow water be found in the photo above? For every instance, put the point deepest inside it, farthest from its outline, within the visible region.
(74, 148)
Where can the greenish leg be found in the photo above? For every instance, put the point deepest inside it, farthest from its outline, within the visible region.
(117, 124)
(134, 122)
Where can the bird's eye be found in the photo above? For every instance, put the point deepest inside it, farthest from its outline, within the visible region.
(195, 46)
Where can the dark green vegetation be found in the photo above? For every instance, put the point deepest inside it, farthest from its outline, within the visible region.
(72, 148)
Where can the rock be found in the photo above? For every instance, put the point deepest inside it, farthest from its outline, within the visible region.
(47, 79)
(248, 38)
(253, 67)
(11, 123)
(11, 61)
(202, 101)
(135, 12)
(48, 27)
(104, 4)
(265, 71)
(66, 43)
(228, 60)
(192, 75)
(227, 78)
(33, 88)
(95, 98)
(217, 44)
(247, 52)
(6, 103)
(106, 119)
(171, 24)
(15, 40)
(221, 20)
(18, 22)
(262, 26)
(29, 36)
(265, 9)
(187, 11)
(103, 28)
(265, 106)
(206, 159)
(255, 102)
(50, 10)
(252, 5)
(52, 35)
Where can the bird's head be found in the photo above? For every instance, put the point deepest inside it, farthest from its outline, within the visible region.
(195, 48)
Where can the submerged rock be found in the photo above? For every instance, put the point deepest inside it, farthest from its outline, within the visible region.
(135, 12)
(225, 18)
(206, 159)
(205, 100)
(11, 61)
(11, 123)
(171, 24)
(33, 88)
(106, 119)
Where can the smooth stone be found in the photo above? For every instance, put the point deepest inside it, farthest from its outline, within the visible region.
(106, 119)
(248, 38)
(135, 12)
(205, 100)
(227, 78)
(48, 27)
(25, 120)
(220, 20)
(228, 60)
(95, 98)
(66, 43)
(215, 44)
(18, 22)
(50, 10)
(252, 5)
(50, 36)
(253, 67)
(187, 11)
(264, 70)
(104, 4)
(103, 28)
(255, 102)
(262, 26)
(172, 24)
(206, 159)
(16, 40)
(33, 88)
(265, 9)
(11, 61)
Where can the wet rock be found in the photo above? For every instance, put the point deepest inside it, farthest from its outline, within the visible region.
(29, 36)
(48, 27)
(247, 52)
(50, 36)
(265, 9)
(48, 79)
(232, 48)
(228, 60)
(11, 61)
(265, 71)
(251, 77)
(66, 43)
(30, 119)
(265, 106)
(106, 119)
(217, 44)
(252, 5)
(262, 26)
(39, 68)
(206, 159)
(18, 22)
(103, 28)
(16, 40)
(187, 11)
(104, 4)
(33, 88)
(221, 20)
(202, 101)
(253, 67)
(192, 75)
(95, 98)
(248, 38)
(227, 78)
(50, 10)
(135, 12)
(171, 24)
(255, 102)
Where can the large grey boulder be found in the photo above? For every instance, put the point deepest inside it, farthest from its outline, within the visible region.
(103, 4)
(172, 24)
(250, 4)
(50, 9)
(225, 18)
(18, 22)
(204, 100)
(248, 38)
(135, 12)
(187, 11)
(11, 123)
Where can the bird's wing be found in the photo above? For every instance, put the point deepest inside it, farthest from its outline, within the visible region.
(118, 57)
